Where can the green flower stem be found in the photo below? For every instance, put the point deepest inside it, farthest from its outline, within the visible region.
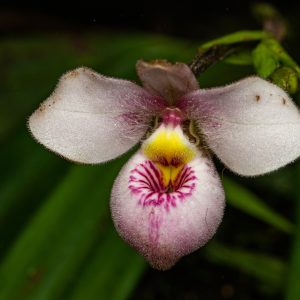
(237, 37)
(204, 60)
(271, 19)
(218, 49)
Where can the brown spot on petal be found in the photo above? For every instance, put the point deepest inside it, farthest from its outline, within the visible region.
(90, 72)
(160, 63)
(55, 98)
(72, 74)
(283, 101)
(257, 98)
(41, 108)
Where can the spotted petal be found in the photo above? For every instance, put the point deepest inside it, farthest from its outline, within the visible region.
(252, 125)
(91, 118)
(164, 226)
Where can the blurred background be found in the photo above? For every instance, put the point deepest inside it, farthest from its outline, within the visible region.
(57, 240)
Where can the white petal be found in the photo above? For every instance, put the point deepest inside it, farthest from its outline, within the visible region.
(252, 125)
(91, 118)
(164, 226)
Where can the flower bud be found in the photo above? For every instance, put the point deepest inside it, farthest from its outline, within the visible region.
(286, 78)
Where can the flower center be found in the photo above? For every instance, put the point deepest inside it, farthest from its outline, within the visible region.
(165, 177)
(172, 116)
(168, 148)
(147, 184)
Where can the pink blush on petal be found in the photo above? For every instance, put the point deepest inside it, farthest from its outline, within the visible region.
(155, 221)
(147, 188)
(165, 224)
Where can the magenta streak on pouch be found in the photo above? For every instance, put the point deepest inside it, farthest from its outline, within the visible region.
(146, 183)
(154, 225)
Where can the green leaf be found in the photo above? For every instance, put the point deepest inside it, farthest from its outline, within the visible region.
(105, 275)
(265, 60)
(52, 247)
(269, 55)
(285, 59)
(242, 199)
(286, 78)
(293, 287)
(241, 58)
(266, 268)
(16, 192)
(265, 11)
(236, 37)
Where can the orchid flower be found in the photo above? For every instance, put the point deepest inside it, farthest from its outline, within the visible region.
(168, 200)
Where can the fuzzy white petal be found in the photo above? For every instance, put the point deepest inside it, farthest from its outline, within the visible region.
(91, 118)
(164, 227)
(252, 125)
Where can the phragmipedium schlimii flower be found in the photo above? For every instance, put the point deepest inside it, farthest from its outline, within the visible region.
(168, 200)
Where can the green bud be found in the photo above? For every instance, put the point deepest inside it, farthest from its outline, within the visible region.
(286, 78)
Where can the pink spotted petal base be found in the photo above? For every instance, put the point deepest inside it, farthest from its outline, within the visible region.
(166, 225)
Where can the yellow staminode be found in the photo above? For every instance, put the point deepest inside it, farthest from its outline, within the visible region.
(170, 150)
